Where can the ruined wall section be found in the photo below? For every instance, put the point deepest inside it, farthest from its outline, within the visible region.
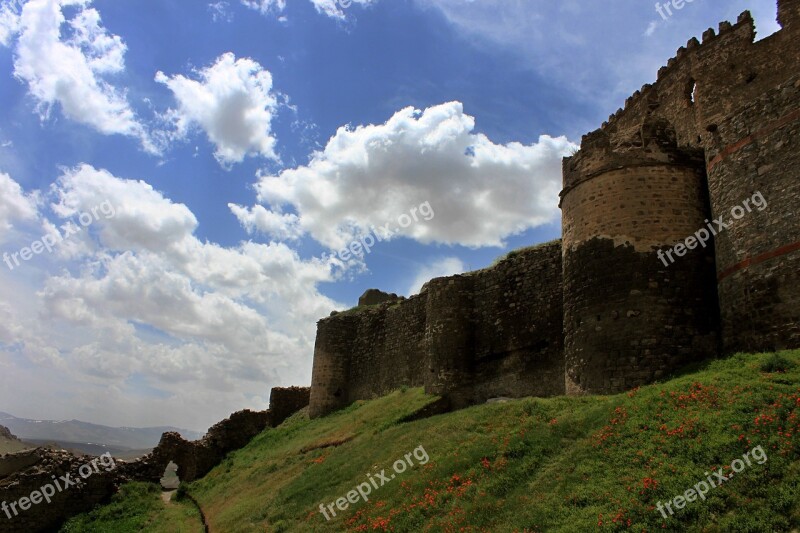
(368, 351)
(518, 325)
(196, 458)
(33, 469)
(470, 337)
(387, 351)
(286, 401)
(28, 471)
(330, 373)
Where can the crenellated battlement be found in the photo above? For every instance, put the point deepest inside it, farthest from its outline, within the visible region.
(682, 65)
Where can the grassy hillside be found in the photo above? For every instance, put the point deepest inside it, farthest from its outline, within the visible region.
(559, 464)
(12, 446)
(9, 443)
(139, 507)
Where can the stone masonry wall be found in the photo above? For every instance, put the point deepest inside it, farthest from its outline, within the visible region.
(286, 401)
(386, 351)
(32, 470)
(758, 257)
(518, 326)
(494, 332)
(329, 376)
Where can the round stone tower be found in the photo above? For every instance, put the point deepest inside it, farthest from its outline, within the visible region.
(634, 309)
(329, 387)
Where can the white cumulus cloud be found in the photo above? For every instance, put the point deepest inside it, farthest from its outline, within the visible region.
(332, 8)
(14, 203)
(336, 8)
(265, 6)
(9, 21)
(232, 102)
(280, 226)
(481, 192)
(71, 70)
(209, 328)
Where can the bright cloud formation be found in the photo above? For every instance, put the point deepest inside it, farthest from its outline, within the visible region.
(482, 192)
(332, 8)
(335, 8)
(147, 300)
(69, 71)
(9, 22)
(14, 204)
(265, 6)
(232, 102)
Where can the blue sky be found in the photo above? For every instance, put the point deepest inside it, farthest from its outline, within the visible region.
(240, 144)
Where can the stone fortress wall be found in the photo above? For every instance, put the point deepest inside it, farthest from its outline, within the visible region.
(599, 311)
(460, 336)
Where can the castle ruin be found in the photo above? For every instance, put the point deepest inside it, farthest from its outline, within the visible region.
(599, 311)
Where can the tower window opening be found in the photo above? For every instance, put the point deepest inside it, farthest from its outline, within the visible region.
(691, 92)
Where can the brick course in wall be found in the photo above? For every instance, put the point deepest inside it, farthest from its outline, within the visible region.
(758, 258)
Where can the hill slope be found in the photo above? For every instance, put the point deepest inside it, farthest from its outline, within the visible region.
(9, 443)
(558, 464)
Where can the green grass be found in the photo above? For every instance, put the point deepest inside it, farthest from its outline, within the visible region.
(597, 463)
(138, 507)
(512, 254)
(12, 446)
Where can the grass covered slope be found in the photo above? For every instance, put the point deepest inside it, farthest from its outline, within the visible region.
(138, 507)
(559, 464)
(9, 443)
(12, 446)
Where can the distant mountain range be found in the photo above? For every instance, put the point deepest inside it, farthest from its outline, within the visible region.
(74, 434)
